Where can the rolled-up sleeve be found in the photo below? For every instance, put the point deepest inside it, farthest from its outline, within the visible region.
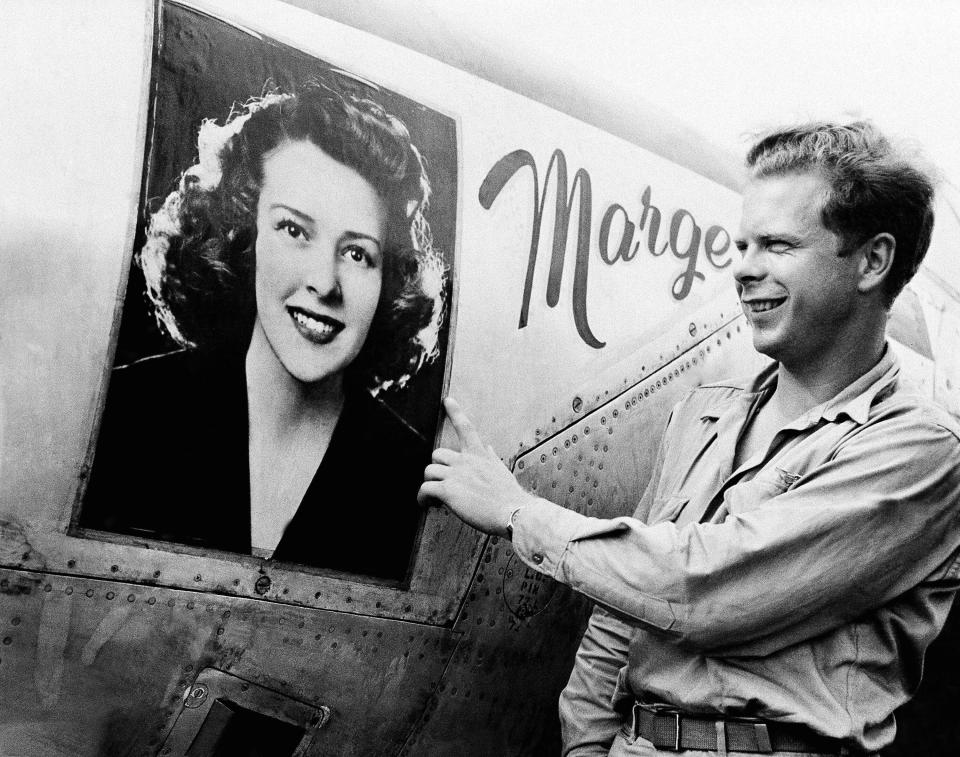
(872, 522)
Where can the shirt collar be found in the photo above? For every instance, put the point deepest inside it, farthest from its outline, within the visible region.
(856, 400)
(853, 401)
(740, 392)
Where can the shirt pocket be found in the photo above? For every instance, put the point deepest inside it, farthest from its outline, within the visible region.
(667, 509)
(759, 490)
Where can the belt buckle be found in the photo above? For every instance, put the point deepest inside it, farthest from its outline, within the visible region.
(676, 726)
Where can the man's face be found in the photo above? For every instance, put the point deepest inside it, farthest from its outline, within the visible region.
(798, 295)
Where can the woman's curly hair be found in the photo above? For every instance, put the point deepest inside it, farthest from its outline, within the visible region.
(198, 259)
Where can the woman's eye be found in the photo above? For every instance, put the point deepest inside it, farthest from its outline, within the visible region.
(292, 229)
(356, 254)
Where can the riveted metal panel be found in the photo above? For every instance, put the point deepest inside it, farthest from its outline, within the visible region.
(91, 667)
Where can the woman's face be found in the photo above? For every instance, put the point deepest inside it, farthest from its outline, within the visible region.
(319, 255)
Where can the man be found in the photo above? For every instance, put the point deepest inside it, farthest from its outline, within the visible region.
(796, 550)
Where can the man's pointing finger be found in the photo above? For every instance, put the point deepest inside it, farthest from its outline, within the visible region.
(469, 438)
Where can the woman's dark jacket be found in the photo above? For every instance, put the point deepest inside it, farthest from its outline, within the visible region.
(172, 464)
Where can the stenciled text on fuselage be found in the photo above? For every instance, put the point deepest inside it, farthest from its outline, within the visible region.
(685, 239)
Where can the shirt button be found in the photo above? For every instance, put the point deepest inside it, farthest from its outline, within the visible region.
(537, 558)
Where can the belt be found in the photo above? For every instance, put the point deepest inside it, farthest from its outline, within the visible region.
(674, 731)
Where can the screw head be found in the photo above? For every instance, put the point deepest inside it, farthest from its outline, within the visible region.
(195, 696)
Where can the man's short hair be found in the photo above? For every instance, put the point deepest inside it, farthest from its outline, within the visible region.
(873, 187)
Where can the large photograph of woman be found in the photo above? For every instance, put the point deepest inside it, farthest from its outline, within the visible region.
(293, 267)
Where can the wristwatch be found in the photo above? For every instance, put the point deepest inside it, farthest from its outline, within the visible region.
(513, 515)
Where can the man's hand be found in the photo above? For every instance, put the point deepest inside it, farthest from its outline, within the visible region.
(473, 482)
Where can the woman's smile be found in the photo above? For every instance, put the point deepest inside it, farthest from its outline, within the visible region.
(317, 328)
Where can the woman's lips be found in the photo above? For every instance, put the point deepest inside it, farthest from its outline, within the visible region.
(316, 328)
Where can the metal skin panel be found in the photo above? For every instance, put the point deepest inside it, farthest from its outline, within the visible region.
(92, 667)
(938, 302)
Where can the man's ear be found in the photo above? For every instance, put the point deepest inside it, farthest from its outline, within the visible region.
(876, 260)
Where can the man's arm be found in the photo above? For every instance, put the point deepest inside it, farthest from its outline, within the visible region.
(871, 523)
(588, 722)
(875, 521)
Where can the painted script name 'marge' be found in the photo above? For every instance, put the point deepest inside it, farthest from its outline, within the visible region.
(683, 226)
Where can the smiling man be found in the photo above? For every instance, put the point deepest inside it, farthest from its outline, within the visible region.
(796, 550)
